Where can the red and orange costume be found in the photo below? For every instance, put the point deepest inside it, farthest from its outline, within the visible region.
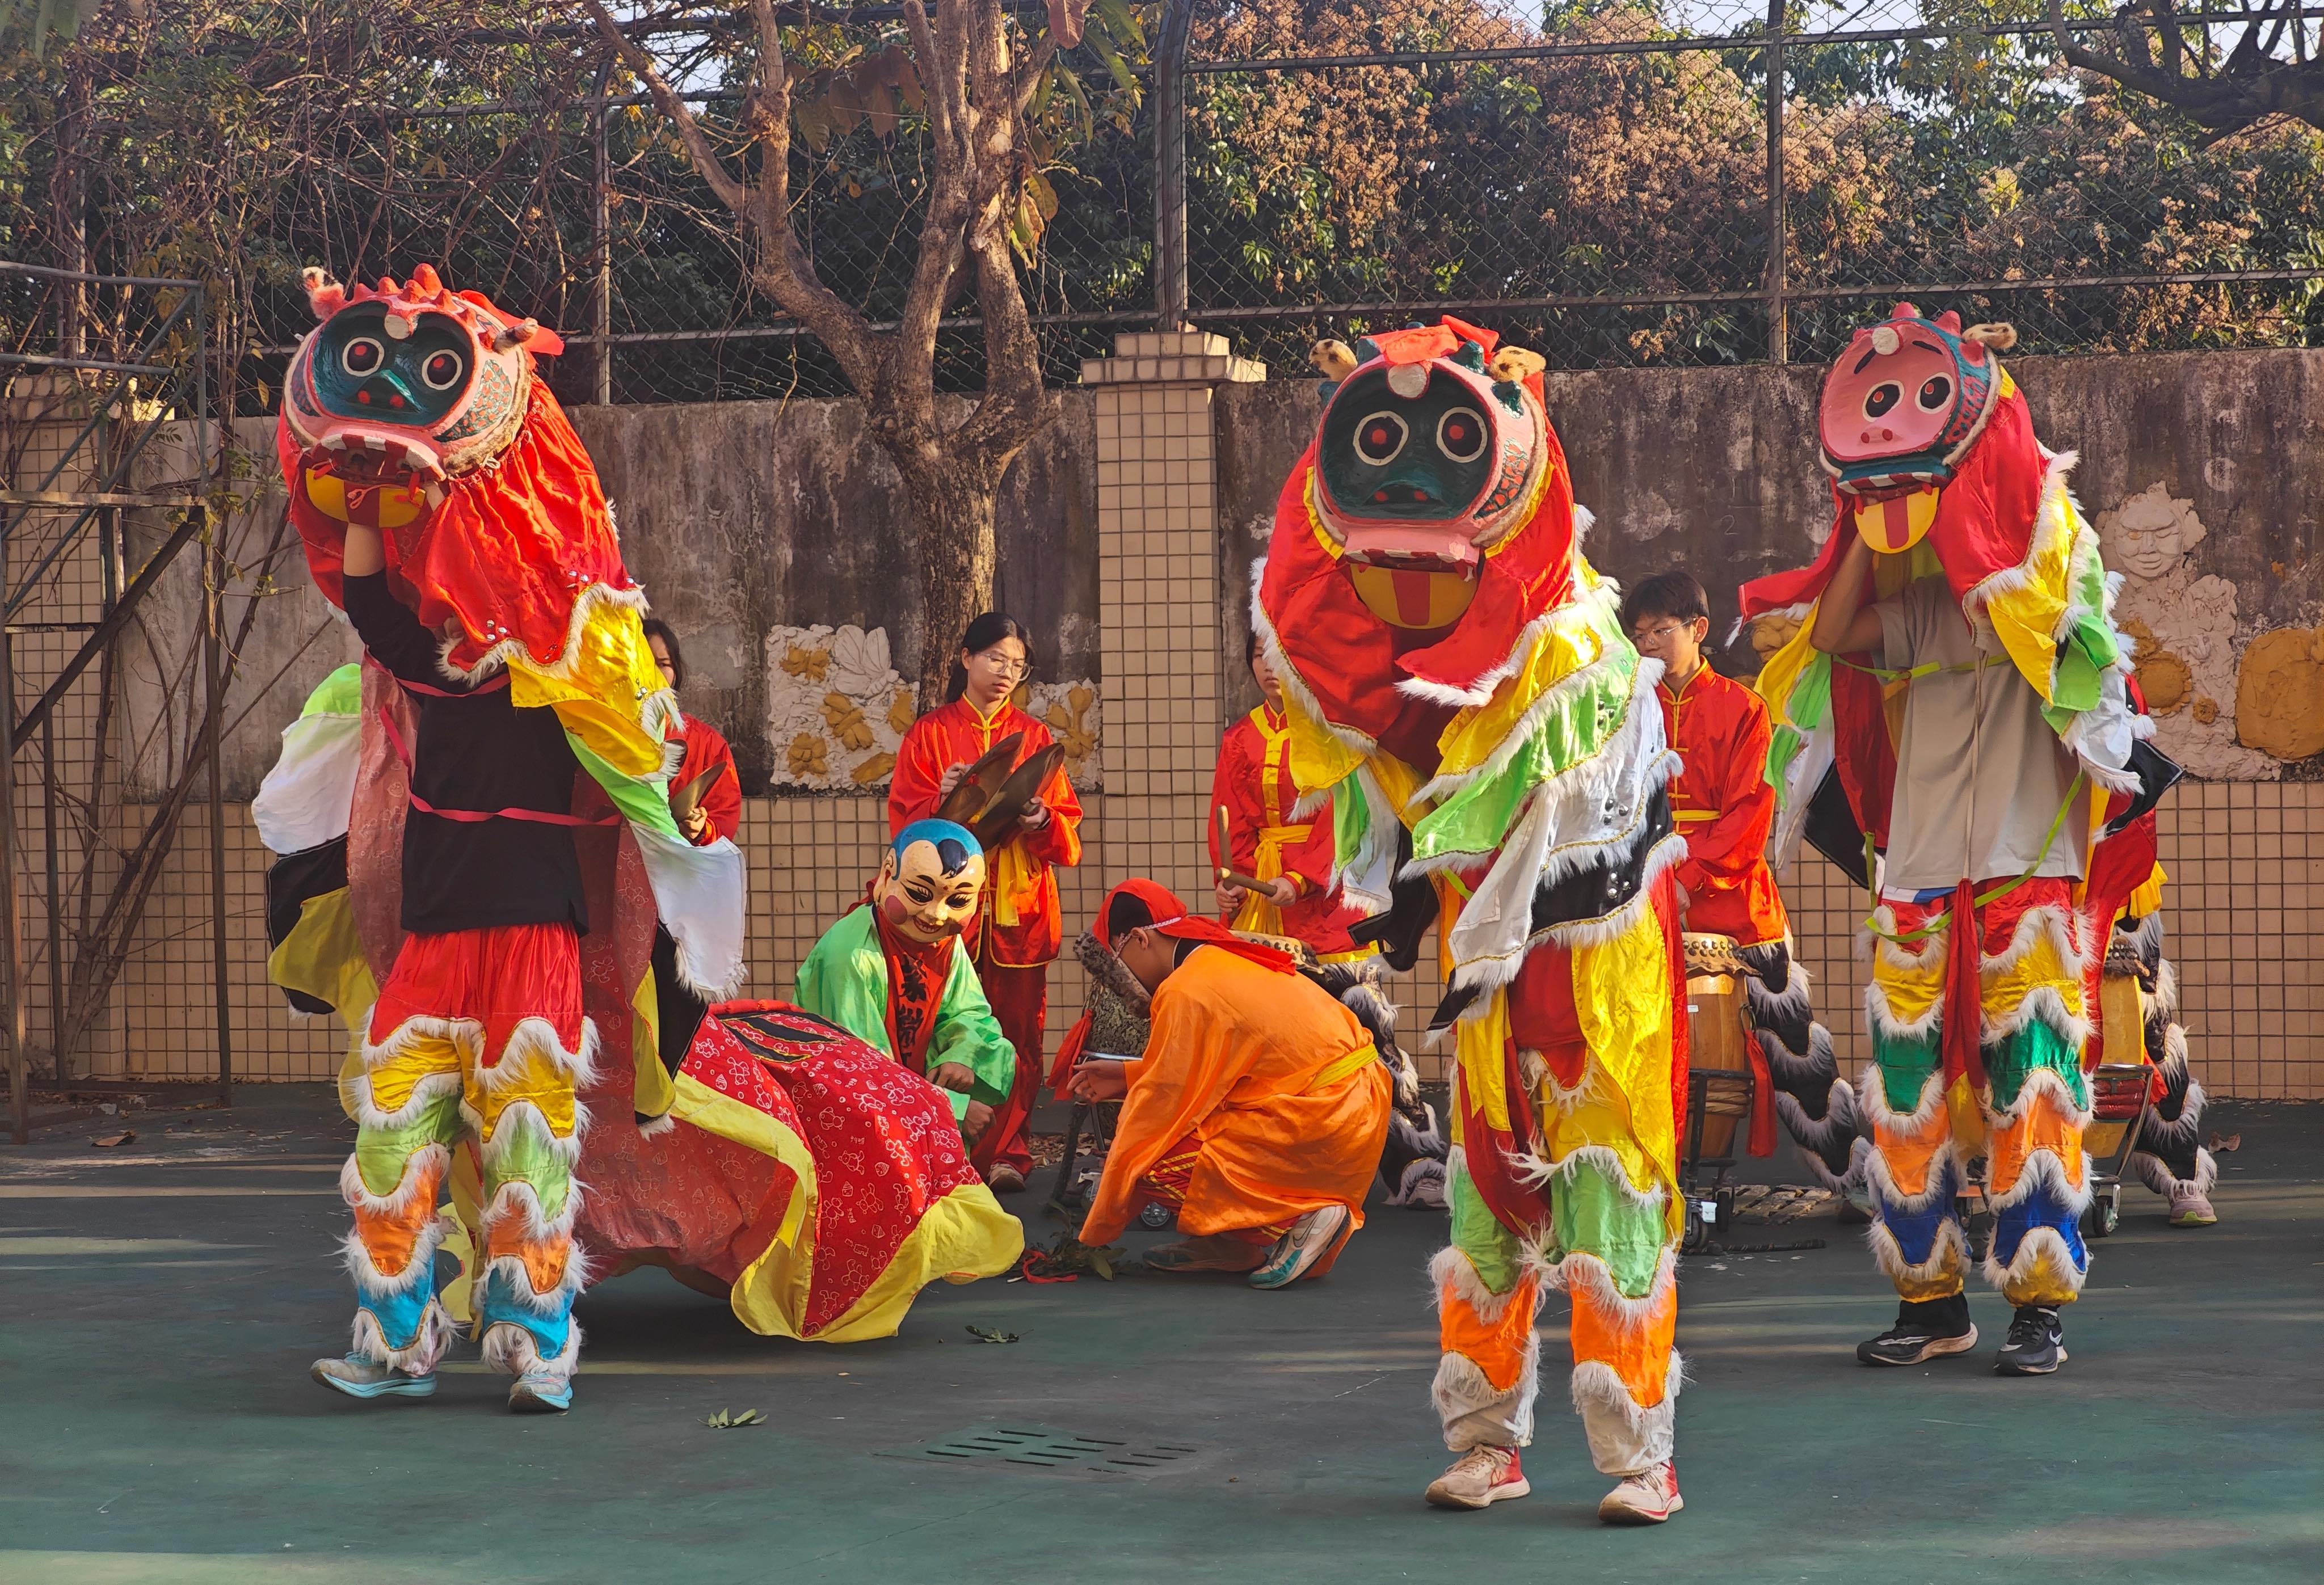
(721, 797)
(1726, 811)
(1253, 784)
(1019, 927)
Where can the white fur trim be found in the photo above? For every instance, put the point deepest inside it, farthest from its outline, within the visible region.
(2044, 1002)
(1668, 854)
(655, 1128)
(1885, 1021)
(1601, 1159)
(537, 1038)
(1946, 1179)
(2044, 1082)
(1451, 1270)
(356, 1094)
(2039, 1244)
(465, 1035)
(419, 1271)
(2045, 1174)
(1596, 1384)
(397, 1200)
(1872, 1091)
(419, 1358)
(2160, 1178)
(1473, 1414)
(1794, 1001)
(521, 1200)
(524, 1116)
(1480, 691)
(2034, 925)
(1586, 1278)
(511, 1349)
(1948, 1252)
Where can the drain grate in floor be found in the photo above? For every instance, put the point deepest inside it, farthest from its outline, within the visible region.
(1041, 1448)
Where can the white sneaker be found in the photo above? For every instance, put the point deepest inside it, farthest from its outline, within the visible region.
(1478, 1478)
(360, 1377)
(1312, 1239)
(1644, 1499)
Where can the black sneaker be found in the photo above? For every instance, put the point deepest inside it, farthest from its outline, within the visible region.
(2036, 1345)
(1925, 1329)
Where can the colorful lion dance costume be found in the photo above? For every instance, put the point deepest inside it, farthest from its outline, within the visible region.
(1985, 986)
(478, 870)
(1457, 679)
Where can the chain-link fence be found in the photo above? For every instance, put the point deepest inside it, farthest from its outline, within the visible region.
(1598, 176)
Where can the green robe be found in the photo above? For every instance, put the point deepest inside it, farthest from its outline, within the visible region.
(844, 979)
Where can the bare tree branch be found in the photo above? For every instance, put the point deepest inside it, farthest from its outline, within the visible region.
(2252, 85)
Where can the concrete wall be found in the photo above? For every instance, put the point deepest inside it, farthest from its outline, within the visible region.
(769, 534)
(1715, 470)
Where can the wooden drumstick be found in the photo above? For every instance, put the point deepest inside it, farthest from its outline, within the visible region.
(1229, 877)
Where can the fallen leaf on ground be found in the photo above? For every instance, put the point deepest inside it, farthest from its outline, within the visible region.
(986, 1334)
(2222, 1143)
(727, 1420)
(106, 1141)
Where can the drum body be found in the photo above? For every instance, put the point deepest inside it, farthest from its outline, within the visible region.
(1715, 1036)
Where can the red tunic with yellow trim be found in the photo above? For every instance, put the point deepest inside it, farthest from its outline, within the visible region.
(1020, 925)
(1724, 806)
(1253, 785)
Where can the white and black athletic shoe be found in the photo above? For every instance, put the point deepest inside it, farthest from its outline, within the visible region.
(1925, 1329)
(2036, 1345)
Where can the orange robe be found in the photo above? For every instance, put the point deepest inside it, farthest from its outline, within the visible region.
(1021, 924)
(1724, 807)
(1276, 1084)
(1253, 785)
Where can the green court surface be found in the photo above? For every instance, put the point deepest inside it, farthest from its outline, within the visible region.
(160, 1302)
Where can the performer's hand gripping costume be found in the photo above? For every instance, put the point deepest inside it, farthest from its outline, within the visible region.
(440, 843)
(1975, 742)
(1455, 676)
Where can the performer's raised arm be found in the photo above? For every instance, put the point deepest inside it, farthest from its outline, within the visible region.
(1844, 624)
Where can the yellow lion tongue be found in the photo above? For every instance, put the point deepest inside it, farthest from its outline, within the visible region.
(1898, 524)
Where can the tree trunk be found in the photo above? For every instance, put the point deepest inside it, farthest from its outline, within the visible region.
(953, 502)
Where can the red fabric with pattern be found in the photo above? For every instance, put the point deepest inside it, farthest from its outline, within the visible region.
(885, 1145)
(883, 1140)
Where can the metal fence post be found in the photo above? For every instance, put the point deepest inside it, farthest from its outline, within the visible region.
(1170, 165)
(1778, 264)
(11, 956)
(601, 236)
(214, 664)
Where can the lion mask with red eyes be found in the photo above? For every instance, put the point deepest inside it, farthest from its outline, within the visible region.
(1427, 526)
(416, 410)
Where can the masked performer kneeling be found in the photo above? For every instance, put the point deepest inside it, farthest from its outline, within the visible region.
(1257, 1112)
(894, 973)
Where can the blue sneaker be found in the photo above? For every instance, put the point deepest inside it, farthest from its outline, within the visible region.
(359, 1376)
(541, 1391)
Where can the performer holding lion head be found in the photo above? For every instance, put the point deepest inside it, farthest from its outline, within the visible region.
(1956, 716)
(1456, 677)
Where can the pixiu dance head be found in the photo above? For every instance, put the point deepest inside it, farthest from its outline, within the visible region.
(416, 410)
(1427, 455)
(1902, 406)
(402, 389)
(929, 881)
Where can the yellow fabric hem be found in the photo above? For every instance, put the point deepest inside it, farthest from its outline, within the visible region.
(961, 1237)
(697, 1103)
